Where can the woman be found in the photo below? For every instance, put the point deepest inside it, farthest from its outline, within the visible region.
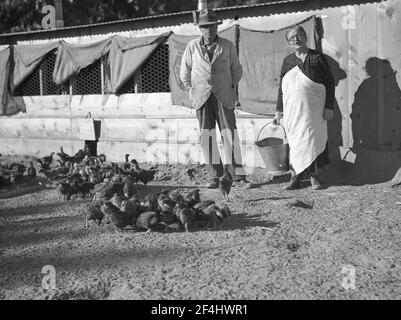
(306, 98)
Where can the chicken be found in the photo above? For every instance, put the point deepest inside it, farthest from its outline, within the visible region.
(119, 219)
(18, 168)
(116, 169)
(66, 190)
(79, 156)
(102, 158)
(148, 220)
(204, 219)
(104, 191)
(86, 160)
(94, 179)
(65, 157)
(168, 218)
(187, 217)
(203, 204)
(4, 182)
(131, 208)
(145, 176)
(83, 188)
(64, 167)
(219, 215)
(150, 202)
(165, 203)
(92, 212)
(48, 160)
(175, 195)
(117, 200)
(128, 188)
(16, 178)
(44, 166)
(226, 182)
(192, 198)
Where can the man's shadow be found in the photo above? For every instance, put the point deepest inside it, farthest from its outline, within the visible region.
(376, 119)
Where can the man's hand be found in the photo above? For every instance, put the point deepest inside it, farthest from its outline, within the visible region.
(328, 114)
(277, 118)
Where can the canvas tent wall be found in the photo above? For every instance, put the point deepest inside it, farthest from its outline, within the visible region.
(360, 40)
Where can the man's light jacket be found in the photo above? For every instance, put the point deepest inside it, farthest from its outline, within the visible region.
(202, 77)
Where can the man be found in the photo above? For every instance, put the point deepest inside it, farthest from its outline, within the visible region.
(210, 70)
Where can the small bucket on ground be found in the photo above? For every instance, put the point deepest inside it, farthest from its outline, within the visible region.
(274, 152)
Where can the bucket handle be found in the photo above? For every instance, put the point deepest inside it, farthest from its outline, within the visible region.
(285, 134)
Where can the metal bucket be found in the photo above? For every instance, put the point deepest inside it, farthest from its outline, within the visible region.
(274, 152)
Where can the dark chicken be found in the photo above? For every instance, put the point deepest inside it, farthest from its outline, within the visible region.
(192, 198)
(150, 202)
(43, 165)
(79, 156)
(66, 190)
(226, 182)
(83, 188)
(168, 218)
(104, 191)
(31, 170)
(219, 215)
(131, 208)
(203, 204)
(92, 212)
(186, 215)
(65, 157)
(47, 160)
(145, 176)
(16, 178)
(119, 219)
(129, 189)
(165, 203)
(148, 220)
(117, 200)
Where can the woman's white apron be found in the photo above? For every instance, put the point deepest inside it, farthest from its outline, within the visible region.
(303, 106)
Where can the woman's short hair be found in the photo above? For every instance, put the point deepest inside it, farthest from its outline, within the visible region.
(297, 29)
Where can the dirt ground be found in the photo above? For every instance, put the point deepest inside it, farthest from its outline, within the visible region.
(270, 248)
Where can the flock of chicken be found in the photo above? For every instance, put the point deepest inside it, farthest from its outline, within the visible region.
(114, 191)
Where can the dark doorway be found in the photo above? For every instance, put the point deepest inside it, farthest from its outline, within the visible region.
(91, 145)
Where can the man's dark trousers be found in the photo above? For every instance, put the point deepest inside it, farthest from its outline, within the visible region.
(211, 112)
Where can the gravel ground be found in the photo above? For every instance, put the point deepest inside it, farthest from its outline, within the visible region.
(270, 248)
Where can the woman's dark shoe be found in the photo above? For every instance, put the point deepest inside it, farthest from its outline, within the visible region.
(294, 183)
(316, 185)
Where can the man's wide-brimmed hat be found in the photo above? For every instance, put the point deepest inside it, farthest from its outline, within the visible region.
(207, 17)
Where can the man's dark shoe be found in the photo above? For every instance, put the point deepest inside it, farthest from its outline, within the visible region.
(294, 183)
(243, 183)
(214, 184)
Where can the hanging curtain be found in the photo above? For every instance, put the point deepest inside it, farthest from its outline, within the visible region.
(127, 55)
(5, 67)
(71, 58)
(27, 58)
(261, 54)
